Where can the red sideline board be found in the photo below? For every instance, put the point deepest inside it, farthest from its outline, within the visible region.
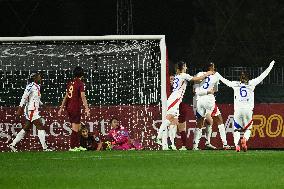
(142, 123)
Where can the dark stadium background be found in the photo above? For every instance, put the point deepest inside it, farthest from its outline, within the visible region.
(232, 33)
(235, 34)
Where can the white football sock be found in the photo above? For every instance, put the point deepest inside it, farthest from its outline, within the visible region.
(237, 136)
(165, 140)
(19, 137)
(41, 136)
(197, 136)
(223, 134)
(247, 134)
(208, 134)
(163, 127)
(172, 133)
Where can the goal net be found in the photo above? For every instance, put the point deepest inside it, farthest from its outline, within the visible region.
(125, 77)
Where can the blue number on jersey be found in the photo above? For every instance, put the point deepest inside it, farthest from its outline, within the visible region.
(175, 84)
(206, 83)
(243, 91)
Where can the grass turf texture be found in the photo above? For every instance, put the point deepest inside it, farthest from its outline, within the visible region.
(142, 169)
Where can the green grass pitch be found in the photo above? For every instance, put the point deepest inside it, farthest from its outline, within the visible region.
(142, 169)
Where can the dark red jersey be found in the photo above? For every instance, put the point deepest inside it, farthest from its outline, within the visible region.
(74, 100)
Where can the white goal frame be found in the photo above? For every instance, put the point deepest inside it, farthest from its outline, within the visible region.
(163, 51)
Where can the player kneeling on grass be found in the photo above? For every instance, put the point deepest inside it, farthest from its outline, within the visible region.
(29, 104)
(89, 141)
(118, 138)
(244, 104)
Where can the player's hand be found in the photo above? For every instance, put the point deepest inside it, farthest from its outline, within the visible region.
(87, 112)
(211, 91)
(209, 73)
(172, 80)
(272, 62)
(20, 111)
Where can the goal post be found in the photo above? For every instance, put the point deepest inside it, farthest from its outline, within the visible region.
(133, 62)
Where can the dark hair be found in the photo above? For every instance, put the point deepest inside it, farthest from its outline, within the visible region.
(244, 76)
(78, 71)
(207, 66)
(114, 118)
(179, 65)
(33, 76)
(83, 127)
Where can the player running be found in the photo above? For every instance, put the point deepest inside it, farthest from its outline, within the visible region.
(244, 104)
(29, 105)
(174, 100)
(206, 110)
(73, 100)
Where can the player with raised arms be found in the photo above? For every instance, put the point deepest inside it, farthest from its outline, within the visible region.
(29, 105)
(206, 110)
(244, 104)
(174, 100)
(73, 100)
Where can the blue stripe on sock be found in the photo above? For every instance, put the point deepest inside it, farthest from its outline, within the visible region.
(237, 125)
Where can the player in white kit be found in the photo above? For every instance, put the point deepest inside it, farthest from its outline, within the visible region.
(204, 106)
(197, 116)
(244, 104)
(29, 105)
(174, 100)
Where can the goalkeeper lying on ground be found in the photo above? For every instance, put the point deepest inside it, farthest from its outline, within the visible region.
(118, 138)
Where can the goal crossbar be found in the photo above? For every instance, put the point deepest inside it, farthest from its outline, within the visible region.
(163, 50)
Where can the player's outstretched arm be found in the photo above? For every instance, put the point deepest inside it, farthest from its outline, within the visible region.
(62, 104)
(225, 81)
(84, 100)
(200, 78)
(259, 79)
(202, 92)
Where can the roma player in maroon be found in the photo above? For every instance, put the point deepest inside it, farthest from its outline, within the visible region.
(74, 99)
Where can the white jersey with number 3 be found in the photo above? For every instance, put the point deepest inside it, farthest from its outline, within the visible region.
(180, 83)
(179, 86)
(203, 102)
(207, 84)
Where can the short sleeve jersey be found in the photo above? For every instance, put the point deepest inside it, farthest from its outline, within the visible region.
(74, 100)
(180, 83)
(208, 83)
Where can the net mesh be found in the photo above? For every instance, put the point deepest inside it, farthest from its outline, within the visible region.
(117, 72)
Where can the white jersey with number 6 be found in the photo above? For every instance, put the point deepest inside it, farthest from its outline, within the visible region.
(244, 93)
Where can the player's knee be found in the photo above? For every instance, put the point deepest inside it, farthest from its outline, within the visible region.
(219, 119)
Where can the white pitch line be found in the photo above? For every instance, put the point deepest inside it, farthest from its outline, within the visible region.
(151, 155)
